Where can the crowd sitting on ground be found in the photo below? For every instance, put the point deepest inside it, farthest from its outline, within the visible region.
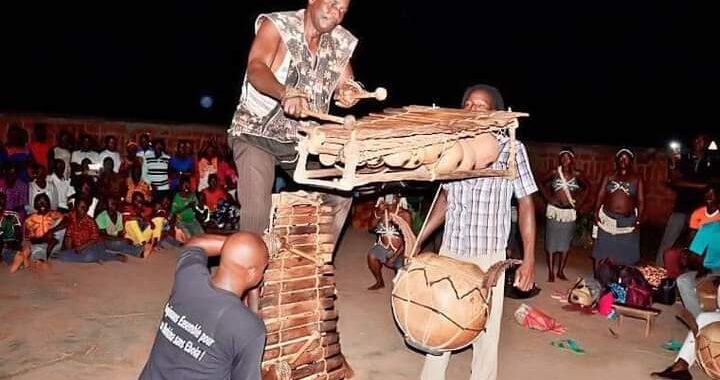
(74, 203)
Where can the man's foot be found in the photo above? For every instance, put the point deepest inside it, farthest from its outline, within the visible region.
(121, 258)
(377, 285)
(551, 277)
(561, 276)
(668, 373)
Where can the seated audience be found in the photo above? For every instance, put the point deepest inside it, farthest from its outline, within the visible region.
(45, 230)
(135, 184)
(110, 185)
(111, 152)
(183, 206)
(63, 187)
(40, 185)
(142, 227)
(182, 164)
(84, 152)
(63, 152)
(82, 239)
(702, 257)
(112, 230)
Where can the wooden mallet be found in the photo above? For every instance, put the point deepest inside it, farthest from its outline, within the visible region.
(380, 94)
(347, 121)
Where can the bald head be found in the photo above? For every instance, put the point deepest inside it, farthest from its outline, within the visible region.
(245, 256)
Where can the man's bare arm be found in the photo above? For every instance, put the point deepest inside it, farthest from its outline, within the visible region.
(525, 275)
(435, 219)
(211, 243)
(263, 52)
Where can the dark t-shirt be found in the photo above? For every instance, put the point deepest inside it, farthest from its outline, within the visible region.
(205, 332)
(695, 170)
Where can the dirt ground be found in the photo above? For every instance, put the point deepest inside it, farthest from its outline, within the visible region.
(89, 321)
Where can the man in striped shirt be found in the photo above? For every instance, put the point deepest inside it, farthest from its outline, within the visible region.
(156, 162)
(477, 216)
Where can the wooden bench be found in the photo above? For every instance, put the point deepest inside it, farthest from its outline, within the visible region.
(648, 314)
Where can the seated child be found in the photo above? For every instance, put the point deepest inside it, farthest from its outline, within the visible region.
(112, 230)
(183, 206)
(142, 227)
(44, 229)
(224, 214)
(167, 237)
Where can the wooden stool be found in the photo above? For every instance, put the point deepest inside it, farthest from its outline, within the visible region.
(648, 314)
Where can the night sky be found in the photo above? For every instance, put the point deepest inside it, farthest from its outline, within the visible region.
(587, 72)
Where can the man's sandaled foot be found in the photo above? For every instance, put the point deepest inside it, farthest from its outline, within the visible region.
(551, 278)
(377, 285)
(561, 276)
(668, 373)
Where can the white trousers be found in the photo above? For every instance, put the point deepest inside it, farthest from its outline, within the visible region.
(485, 349)
(687, 351)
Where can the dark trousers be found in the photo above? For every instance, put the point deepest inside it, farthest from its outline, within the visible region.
(256, 177)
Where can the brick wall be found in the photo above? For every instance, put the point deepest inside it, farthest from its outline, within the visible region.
(593, 160)
(596, 160)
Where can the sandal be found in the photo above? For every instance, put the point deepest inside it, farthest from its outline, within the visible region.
(559, 344)
(574, 347)
(568, 345)
(672, 345)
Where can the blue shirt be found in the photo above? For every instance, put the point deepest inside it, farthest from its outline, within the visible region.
(707, 241)
(178, 164)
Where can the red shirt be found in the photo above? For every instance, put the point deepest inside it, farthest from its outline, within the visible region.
(226, 173)
(82, 230)
(39, 151)
(213, 197)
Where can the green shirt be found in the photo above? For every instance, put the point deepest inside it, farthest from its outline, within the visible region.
(179, 207)
(8, 226)
(105, 223)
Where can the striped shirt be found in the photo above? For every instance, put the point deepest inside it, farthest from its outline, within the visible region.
(478, 217)
(157, 170)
